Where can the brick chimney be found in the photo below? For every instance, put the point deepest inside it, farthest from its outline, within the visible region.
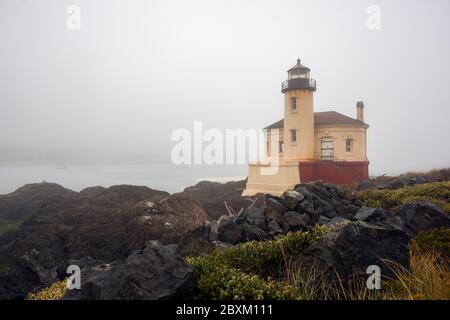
(360, 111)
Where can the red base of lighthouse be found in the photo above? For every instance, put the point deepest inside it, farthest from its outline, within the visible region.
(335, 172)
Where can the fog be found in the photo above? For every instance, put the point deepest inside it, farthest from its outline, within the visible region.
(115, 90)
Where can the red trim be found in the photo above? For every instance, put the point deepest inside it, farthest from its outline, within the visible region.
(336, 172)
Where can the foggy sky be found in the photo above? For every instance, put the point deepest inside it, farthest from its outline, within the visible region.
(137, 70)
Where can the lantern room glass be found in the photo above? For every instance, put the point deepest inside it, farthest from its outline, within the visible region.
(299, 73)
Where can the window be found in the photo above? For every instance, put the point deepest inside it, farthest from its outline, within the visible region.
(327, 149)
(349, 145)
(268, 148)
(281, 146)
(298, 74)
(293, 104)
(293, 136)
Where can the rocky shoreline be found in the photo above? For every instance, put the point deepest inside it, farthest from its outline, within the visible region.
(129, 241)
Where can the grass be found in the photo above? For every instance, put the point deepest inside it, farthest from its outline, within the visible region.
(436, 192)
(428, 278)
(437, 240)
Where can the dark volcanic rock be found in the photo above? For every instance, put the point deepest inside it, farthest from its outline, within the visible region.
(274, 228)
(297, 221)
(353, 247)
(211, 196)
(27, 274)
(329, 201)
(250, 225)
(196, 242)
(323, 220)
(306, 207)
(31, 198)
(153, 273)
(275, 210)
(83, 263)
(371, 215)
(392, 184)
(106, 224)
(252, 232)
(420, 216)
(230, 232)
(418, 180)
(291, 198)
(256, 216)
(336, 220)
(169, 219)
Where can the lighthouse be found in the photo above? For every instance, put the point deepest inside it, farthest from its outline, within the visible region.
(298, 92)
(311, 146)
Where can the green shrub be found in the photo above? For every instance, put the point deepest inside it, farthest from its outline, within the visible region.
(221, 282)
(436, 192)
(55, 292)
(437, 240)
(246, 271)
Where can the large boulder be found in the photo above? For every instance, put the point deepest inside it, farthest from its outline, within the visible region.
(292, 198)
(256, 216)
(211, 196)
(230, 232)
(420, 216)
(167, 220)
(351, 248)
(152, 273)
(26, 275)
(30, 198)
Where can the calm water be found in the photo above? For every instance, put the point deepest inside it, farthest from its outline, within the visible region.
(165, 177)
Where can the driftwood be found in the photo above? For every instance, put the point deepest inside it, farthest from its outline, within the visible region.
(231, 211)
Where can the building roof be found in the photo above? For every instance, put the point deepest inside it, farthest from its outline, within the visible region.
(299, 66)
(276, 125)
(325, 118)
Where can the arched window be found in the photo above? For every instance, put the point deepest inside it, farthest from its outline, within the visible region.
(327, 148)
(349, 145)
